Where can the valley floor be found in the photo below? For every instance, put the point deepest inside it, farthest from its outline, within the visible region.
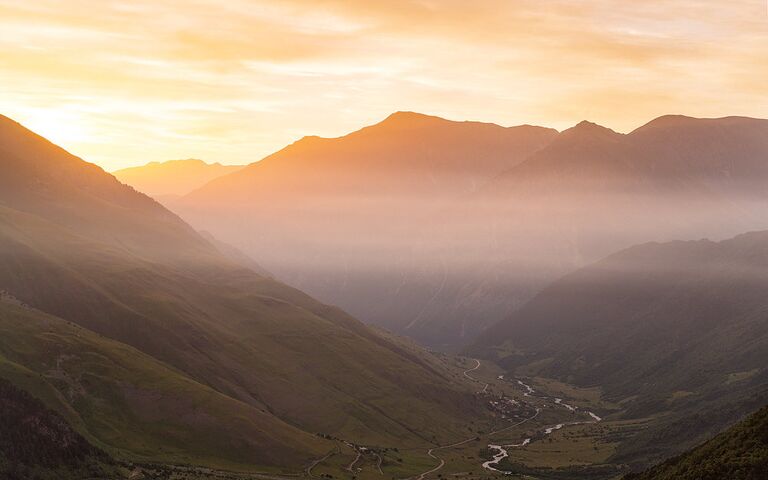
(541, 429)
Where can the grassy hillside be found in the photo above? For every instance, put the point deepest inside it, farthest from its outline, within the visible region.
(77, 244)
(740, 453)
(136, 407)
(247, 336)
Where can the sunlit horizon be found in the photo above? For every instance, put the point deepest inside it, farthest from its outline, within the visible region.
(124, 84)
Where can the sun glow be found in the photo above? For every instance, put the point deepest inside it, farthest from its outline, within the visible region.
(60, 127)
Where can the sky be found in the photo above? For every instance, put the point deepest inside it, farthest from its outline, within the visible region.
(123, 83)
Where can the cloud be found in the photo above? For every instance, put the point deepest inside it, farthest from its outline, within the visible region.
(239, 79)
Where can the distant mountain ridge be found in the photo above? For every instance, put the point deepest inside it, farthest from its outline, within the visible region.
(382, 150)
(439, 229)
(344, 218)
(173, 177)
(592, 192)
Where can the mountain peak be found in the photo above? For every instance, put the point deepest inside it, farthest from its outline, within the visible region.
(591, 126)
(589, 129)
(666, 121)
(404, 115)
(407, 119)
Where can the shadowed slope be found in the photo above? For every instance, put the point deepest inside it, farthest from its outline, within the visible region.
(740, 453)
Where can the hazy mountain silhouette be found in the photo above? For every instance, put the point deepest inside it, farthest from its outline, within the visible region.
(344, 218)
(438, 229)
(172, 178)
(592, 192)
(183, 333)
(404, 152)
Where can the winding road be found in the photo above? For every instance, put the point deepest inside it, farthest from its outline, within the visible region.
(431, 453)
(319, 461)
(357, 459)
(466, 374)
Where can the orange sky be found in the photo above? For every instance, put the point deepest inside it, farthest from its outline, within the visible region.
(127, 82)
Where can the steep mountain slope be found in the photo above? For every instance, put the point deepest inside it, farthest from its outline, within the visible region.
(361, 223)
(42, 179)
(740, 453)
(344, 218)
(677, 330)
(77, 244)
(173, 177)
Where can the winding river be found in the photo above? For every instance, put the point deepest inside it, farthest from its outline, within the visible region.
(502, 451)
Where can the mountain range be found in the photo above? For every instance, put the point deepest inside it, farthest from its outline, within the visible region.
(438, 229)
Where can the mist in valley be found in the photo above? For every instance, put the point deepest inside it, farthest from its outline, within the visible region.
(439, 251)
